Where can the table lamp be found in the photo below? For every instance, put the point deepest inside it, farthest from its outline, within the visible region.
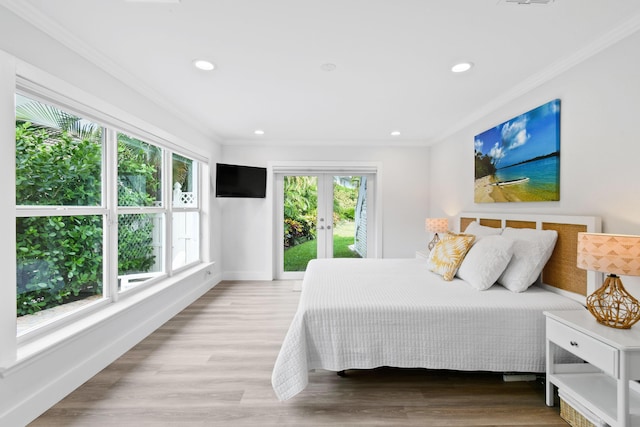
(435, 225)
(613, 254)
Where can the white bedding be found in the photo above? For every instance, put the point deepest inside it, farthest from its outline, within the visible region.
(366, 313)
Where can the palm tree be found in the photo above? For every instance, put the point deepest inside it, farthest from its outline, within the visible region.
(55, 121)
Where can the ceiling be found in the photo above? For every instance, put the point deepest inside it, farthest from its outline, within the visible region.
(392, 59)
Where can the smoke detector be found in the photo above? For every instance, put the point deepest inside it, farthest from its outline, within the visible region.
(520, 2)
(154, 1)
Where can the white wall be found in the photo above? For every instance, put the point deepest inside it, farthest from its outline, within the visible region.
(213, 218)
(599, 146)
(246, 238)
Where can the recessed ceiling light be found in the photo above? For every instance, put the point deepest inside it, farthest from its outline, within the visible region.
(258, 132)
(395, 133)
(461, 67)
(202, 64)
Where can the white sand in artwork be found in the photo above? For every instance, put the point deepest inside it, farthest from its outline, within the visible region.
(487, 193)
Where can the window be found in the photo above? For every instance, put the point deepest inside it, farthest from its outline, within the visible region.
(140, 212)
(139, 172)
(65, 200)
(186, 216)
(60, 217)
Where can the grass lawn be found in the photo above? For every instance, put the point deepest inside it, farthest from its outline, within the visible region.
(297, 257)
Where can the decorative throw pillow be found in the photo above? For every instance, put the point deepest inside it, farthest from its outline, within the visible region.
(447, 254)
(531, 251)
(485, 262)
(481, 230)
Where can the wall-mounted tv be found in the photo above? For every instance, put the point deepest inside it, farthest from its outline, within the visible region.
(240, 181)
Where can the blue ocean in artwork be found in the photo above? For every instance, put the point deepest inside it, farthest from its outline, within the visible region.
(542, 174)
(525, 148)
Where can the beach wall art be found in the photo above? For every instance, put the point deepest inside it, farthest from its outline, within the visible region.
(519, 160)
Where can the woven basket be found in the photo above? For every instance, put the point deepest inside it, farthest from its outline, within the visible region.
(572, 416)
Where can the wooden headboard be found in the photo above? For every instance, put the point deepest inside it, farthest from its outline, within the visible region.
(561, 274)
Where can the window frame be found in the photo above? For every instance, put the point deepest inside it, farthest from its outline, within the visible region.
(132, 210)
(108, 208)
(44, 211)
(198, 180)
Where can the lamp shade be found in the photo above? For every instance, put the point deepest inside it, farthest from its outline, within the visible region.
(609, 253)
(436, 225)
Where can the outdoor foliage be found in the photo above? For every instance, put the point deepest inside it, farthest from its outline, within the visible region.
(58, 163)
(138, 172)
(64, 172)
(344, 202)
(135, 243)
(297, 257)
(138, 185)
(300, 209)
(58, 257)
(182, 172)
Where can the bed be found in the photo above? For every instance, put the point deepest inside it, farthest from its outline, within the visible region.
(367, 313)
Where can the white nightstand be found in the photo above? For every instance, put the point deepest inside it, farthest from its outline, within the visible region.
(423, 253)
(602, 385)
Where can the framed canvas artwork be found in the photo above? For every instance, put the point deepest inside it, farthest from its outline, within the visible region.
(519, 160)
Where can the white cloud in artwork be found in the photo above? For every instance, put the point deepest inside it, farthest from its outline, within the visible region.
(497, 152)
(478, 144)
(514, 133)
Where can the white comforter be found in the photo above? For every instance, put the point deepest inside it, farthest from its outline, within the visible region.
(366, 313)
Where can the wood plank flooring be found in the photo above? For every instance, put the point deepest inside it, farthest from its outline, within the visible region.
(211, 366)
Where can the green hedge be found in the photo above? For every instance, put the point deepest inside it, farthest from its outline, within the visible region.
(59, 258)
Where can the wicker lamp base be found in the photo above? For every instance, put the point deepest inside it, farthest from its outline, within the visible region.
(433, 242)
(612, 305)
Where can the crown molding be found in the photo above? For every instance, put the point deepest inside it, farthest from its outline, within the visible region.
(57, 32)
(614, 36)
(385, 143)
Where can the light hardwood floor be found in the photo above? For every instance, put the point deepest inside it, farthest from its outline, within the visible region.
(211, 366)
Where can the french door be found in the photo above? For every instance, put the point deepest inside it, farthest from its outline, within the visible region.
(322, 215)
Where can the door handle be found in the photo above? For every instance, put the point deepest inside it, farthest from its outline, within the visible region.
(321, 227)
(328, 227)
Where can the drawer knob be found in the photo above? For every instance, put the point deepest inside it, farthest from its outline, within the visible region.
(573, 343)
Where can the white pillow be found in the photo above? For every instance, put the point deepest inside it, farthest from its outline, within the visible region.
(481, 230)
(485, 261)
(531, 251)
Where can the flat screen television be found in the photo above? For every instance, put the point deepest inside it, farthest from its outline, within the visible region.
(240, 181)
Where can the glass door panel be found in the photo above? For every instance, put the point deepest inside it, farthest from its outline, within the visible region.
(349, 229)
(300, 208)
(322, 216)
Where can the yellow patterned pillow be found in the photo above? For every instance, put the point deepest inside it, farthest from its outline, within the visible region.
(447, 255)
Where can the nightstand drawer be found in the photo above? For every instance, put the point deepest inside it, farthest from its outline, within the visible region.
(595, 352)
